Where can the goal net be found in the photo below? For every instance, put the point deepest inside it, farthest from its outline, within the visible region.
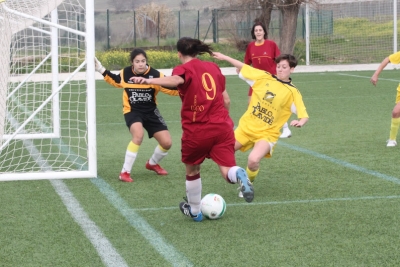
(47, 99)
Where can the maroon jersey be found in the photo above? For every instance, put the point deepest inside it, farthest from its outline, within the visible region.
(263, 56)
(203, 113)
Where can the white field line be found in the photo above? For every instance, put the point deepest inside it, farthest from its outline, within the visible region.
(289, 202)
(108, 254)
(111, 258)
(226, 71)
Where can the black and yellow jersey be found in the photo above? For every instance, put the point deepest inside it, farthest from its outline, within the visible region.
(138, 97)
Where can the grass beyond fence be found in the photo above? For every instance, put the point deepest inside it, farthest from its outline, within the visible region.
(329, 196)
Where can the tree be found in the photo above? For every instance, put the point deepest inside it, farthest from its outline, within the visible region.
(119, 5)
(183, 4)
(266, 10)
(155, 17)
(289, 10)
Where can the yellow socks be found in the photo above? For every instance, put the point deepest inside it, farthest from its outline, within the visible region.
(394, 128)
(162, 149)
(252, 175)
(132, 147)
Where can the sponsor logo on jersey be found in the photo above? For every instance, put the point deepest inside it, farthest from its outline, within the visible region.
(263, 114)
(269, 96)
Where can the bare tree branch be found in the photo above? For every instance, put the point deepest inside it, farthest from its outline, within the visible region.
(289, 10)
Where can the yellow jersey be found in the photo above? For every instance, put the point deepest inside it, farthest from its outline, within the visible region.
(271, 105)
(395, 58)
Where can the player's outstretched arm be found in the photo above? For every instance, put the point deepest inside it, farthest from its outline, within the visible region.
(234, 62)
(170, 81)
(374, 78)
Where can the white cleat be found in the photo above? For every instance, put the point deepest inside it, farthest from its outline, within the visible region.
(286, 133)
(391, 143)
(240, 193)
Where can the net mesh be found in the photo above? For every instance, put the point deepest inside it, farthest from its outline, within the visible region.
(352, 32)
(43, 110)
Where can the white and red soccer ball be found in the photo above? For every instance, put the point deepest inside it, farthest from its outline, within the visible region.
(213, 206)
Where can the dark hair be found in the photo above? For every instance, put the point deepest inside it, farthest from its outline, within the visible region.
(262, 26)
(192, 47)
(290, 58)
(137, 51)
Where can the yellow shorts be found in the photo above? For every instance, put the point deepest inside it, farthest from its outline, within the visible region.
(247, 141)
(398, 94)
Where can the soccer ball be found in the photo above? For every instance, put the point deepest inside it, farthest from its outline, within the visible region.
(213, 206)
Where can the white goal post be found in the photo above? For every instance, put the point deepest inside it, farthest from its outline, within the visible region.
(47, 90)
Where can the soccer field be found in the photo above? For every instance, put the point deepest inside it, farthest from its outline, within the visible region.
(329, 196)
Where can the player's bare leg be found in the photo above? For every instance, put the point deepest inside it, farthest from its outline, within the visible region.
(260, 149)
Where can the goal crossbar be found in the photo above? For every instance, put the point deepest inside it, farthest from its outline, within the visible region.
(15, 12)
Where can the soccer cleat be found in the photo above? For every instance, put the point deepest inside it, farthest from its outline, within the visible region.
(240, 194)
(157, 168)
(125, 177)
(391, 143)
(246, 187)
(286, 133)
(185, 209)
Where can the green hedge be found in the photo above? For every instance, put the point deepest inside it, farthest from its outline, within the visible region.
(118, 59)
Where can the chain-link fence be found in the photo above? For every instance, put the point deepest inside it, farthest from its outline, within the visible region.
(160, 29)
(351, 32)
(127, 29)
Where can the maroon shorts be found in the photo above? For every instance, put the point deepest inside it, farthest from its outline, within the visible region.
(221, 149)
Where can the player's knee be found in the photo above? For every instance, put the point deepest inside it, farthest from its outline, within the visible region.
(253, 164)
(396, 111)
(137, 140)
(166, 144)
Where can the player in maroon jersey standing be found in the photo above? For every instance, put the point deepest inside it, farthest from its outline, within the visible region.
(207, 127)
